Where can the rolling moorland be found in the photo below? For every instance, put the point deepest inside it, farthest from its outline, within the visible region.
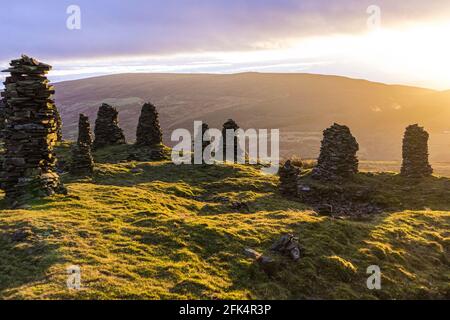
(153, 230)
(305, 105)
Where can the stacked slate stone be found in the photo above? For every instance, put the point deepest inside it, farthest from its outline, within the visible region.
(58, 125)
(415, 153)
(148, 132)
(30, 133)
(107, 131)
(230, 124)
(288, 179)
(205, 139)
(201, 136)
(82, 161)
(84, 131)
(337, 157)
(2, 127)
(149, 135)
(2, 118)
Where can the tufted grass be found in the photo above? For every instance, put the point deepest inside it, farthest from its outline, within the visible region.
(153, 230)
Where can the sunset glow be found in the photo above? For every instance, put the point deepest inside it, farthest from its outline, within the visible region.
(408, 46)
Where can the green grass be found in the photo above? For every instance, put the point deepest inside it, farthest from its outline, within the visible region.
(153, 230)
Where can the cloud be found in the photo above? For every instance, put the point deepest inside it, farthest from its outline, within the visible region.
(142, 27)
(226, 36)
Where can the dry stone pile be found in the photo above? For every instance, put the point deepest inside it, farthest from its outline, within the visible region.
(415, 153)
(205, 142)
(148, 132)
(2, 127)
(288, 179)
(30, 133)
(82, 160)
(201, 136)
(230, 124)
(107, 131)
(288, 245)
(337, 157)
(2, 117)
(84, 131)
(149, 144)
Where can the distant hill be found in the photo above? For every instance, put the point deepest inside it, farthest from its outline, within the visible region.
(300, 105)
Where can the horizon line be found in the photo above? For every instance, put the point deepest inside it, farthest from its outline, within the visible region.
(394, 84)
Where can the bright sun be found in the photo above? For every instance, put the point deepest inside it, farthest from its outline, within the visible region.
(416, 53)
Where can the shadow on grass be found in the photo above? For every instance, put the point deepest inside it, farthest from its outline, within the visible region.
(388, 191)
(136, 173)
(408, 248)
(222, 188)
(24, 256)
(200, 239)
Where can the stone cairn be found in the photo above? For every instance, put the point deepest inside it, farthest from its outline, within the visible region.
(2, 127)
(82, 161)
(230, 124)
(288, 179)
(107, 131)
(205, 144)
(2, 118)
(84, 131)
(337, 157)
(149, 144)
(148, 132)
(415, 153)
(30, 133)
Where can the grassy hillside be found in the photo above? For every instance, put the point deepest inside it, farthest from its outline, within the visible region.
(300, 105)
(159, 231)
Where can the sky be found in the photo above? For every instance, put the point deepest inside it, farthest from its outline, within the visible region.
(404, 42)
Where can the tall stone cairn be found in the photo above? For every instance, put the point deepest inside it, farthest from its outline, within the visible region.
(2, 117)
(201, 136)
(2, 127)
(148, 132)
(107, 131)
(337, 157)
(415, 153)
(206, 143)
(230, 124)
(58, 125)
(288, 179)
(82, 161)
(84, 131)
(30, 133)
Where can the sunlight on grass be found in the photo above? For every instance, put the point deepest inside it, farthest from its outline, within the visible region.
(160, 231)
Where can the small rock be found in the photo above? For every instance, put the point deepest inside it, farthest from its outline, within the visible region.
(288, 245)
(252, 253)
(288, 179)
(267, 264)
